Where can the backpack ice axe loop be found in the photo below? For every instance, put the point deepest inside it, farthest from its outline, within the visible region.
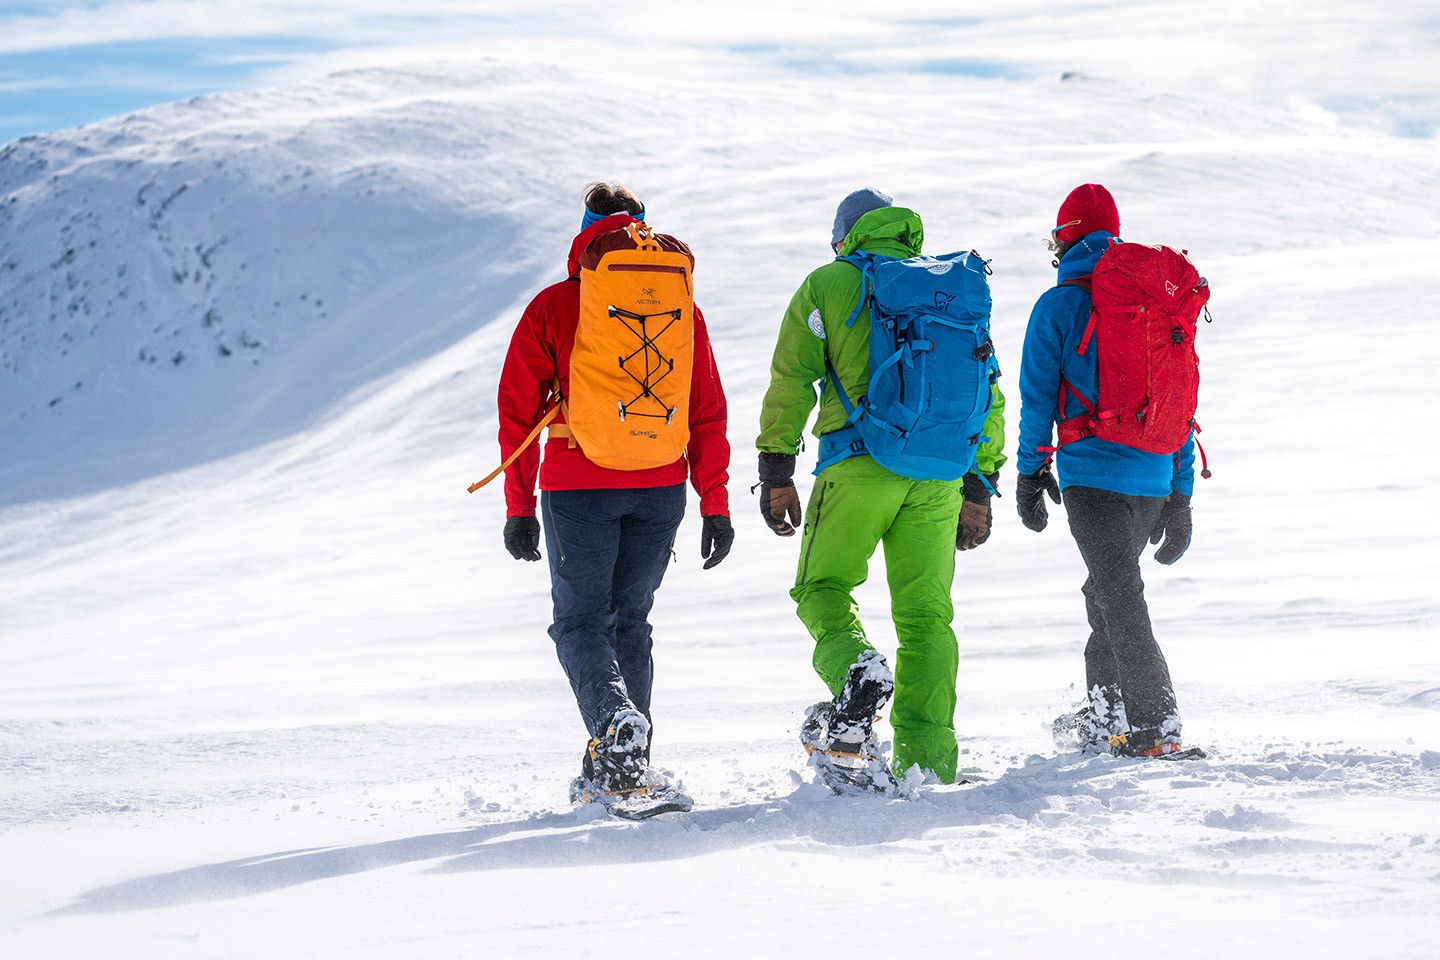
(544, 422)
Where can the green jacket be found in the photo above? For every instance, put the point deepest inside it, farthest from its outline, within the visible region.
(814, 326)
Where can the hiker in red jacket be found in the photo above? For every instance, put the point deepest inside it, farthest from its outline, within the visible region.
(608, 532)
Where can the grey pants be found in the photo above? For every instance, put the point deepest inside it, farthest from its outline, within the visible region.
(1122, 657)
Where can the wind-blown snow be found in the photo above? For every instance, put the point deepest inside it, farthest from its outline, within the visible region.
(269, 685)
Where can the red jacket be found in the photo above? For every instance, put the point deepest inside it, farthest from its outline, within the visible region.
(540, 350)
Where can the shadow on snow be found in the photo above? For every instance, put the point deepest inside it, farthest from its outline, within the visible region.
(810, 818)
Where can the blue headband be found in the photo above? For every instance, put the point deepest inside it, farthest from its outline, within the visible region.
(591, 217)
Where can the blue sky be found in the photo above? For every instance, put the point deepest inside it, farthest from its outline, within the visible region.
(69, 62)
(54, 89)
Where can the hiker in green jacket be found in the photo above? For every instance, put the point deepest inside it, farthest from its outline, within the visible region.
(857, 504)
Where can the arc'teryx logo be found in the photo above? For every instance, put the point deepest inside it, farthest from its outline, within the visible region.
(942, 300)
(647, 291)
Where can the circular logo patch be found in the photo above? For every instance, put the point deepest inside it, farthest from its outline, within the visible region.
(817, 324)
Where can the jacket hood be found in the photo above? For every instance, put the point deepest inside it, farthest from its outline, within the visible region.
(890, 231)
(616, 221)
(1079, 261)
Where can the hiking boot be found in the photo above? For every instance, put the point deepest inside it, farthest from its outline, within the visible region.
(616, 762)
(867, 688)
(1090, 727)
(1076, 730)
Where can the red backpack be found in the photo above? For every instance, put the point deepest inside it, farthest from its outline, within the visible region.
(1145, 305)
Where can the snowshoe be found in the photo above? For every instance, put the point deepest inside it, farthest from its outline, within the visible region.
(1152, 743)
(615, 772)
(653, 795)
(849, 761)
(839, 735)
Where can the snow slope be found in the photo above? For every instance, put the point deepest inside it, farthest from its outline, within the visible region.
(270, 687)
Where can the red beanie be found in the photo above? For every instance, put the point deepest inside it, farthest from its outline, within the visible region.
(1088, 208)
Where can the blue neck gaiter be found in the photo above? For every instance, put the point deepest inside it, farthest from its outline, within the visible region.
(591, 218)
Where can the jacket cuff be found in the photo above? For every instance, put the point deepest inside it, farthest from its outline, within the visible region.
(715, 503)
(975, 490)
(520, 506)
(777, 469)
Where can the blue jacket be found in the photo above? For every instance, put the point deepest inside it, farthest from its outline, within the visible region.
(1056, 325)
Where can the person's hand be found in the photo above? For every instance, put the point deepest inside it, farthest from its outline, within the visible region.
(1175, 527)
(780, 506)
(974, 528)
(975, 517)
(779, 500)
(717, 534)
(522, 537)
(1031, 489)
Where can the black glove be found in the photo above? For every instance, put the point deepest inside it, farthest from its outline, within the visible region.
(778, 497)
(1030, 492)
(522, 537)
(716, 536)
(1175, 527)
(976, 490)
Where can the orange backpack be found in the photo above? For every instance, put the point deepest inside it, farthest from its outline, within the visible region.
(630, 368)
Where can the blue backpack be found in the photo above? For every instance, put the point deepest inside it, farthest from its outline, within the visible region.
(931, 367)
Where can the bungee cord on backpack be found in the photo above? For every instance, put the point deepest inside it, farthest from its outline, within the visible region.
(662, 365)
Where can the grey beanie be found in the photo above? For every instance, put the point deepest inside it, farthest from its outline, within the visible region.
(853, 207)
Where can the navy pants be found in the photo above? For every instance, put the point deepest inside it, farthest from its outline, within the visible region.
(1122, 656)
(608, 552)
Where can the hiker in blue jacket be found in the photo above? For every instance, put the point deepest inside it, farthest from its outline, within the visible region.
(1116, 497)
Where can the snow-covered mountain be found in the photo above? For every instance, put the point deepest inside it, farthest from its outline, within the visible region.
(266, 668)
(190, 281)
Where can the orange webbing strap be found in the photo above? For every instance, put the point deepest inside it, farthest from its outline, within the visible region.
(643, 236)
(562, 430)
(544, 422)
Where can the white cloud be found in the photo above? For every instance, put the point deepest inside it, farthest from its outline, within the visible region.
(1334, 53)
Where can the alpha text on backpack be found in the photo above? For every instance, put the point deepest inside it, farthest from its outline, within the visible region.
(1146, 303)
(931, 367)
(628, 404)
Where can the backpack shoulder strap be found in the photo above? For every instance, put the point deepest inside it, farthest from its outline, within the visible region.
(1084, 284)
(865, 263)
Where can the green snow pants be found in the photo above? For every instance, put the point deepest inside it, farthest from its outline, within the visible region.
(855, 506)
